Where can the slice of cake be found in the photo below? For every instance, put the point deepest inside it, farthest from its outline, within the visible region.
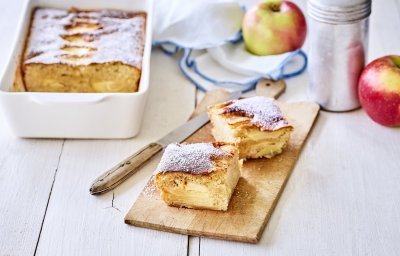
(84, 51)
(200, 176)
(255, 124)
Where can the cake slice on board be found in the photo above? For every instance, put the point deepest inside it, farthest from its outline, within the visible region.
(256, 125)
(199, 175)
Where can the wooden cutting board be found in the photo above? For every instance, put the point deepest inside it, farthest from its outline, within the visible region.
(259, 188)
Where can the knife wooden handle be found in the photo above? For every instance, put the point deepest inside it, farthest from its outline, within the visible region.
(124, 169)
(270, 88)
(210, 98)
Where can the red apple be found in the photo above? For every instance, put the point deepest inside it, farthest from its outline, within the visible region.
(274, 27)
(379, 90)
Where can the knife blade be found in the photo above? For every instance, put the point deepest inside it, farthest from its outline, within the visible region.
(130, 165)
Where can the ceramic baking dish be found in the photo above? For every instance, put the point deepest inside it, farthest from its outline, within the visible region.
(75, 115)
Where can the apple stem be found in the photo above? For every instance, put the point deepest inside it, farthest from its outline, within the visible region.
(396, 61)
(275, 7)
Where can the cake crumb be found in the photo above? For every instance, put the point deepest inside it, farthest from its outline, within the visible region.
(150, 187)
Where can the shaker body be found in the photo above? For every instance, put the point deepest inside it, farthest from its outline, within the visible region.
(337, 55)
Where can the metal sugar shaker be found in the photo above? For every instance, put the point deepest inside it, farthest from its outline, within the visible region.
(338, 44)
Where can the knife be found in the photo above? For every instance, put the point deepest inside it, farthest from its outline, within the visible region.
(126, 168)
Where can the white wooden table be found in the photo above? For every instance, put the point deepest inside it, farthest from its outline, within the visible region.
(343, 197)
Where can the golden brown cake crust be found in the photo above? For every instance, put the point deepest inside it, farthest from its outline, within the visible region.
(256, 111)
(104, 36)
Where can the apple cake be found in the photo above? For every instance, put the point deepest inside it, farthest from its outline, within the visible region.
(256, 125)
(84, 51)
(199, 176)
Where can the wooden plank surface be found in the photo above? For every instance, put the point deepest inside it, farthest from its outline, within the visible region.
(27, 172)
(254, 199)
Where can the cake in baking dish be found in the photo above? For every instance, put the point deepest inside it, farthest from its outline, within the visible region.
(200, 175)
(256, 125)
(84, 51)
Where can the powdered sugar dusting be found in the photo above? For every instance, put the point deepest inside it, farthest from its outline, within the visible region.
(193, 158)
(118, 36)
(150, 187)
(262, 111)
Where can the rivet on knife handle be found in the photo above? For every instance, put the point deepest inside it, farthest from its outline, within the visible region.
(124, 169)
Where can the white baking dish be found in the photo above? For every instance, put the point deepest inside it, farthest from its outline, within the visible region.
(75, 115)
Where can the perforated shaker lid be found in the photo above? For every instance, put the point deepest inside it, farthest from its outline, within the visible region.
(339, 11)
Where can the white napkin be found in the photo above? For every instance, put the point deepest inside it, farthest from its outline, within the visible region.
(207, 32)
(197, 24)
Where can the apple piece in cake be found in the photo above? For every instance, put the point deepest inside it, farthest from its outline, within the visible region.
(199, 176)
(256, 125)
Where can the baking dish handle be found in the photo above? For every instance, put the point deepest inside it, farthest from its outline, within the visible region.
(80, 99)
